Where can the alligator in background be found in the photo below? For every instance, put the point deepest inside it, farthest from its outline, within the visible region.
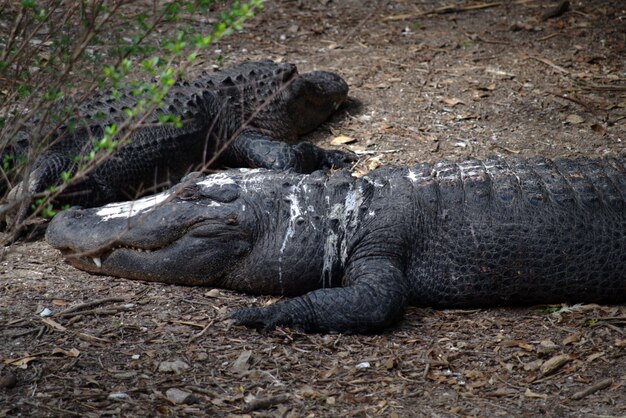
(356, 251)
(247, 116)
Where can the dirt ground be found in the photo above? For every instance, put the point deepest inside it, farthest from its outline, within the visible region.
(424, 86)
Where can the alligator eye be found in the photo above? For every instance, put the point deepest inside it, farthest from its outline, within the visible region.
(189, 192)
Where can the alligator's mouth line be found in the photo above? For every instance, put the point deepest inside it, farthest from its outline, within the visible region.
(99, 256)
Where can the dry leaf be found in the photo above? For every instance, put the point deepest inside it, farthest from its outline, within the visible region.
(518, 343)
(530, 394)
(546, 347)
(572, 338)
(466, 116)
(474, 374)
(451, 101)
(241, 364)
(599, 129)
(22, 363)
(594, 356)
(326, 374)
(73, 352)
(213, 293)
(53, 324)
(341, 139)
(374, 163)
(620, 343)
(307, 392)
(533, 365)
(574, 119)
(390, 363)
(376, 86)
(554, 364)
(499, 73)
(478, 94)
(93, 339)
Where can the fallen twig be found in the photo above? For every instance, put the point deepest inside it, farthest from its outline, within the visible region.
(442, 10)
(264, 403)
(201, 333)
(605, 87)
(552, 35)
(89, 305)
(602, 384)
(109, 311)
(373, 152)
(188, 323)
(609, 325)
(549, 63)
(574, 100)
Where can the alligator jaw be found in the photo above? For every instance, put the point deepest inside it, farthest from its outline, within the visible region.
(97, 259)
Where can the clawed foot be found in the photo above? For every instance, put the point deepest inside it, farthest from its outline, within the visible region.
(264, 319)
(339, 159)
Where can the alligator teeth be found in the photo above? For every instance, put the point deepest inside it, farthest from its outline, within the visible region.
(97, 261)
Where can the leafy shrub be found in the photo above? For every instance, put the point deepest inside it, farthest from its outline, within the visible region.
(55, 54)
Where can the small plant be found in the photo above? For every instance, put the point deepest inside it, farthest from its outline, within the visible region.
(54, 55)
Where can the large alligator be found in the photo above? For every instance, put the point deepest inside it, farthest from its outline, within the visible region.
(248, 116)
(357, 251)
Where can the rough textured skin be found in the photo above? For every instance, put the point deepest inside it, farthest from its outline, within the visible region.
(252, 112)
(359, 250)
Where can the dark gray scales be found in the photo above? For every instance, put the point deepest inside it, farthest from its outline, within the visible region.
(354, 252)
(249, 115)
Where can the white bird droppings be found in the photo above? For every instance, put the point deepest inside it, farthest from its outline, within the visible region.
(131, 208)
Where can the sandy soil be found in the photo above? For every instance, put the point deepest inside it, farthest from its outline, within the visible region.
(424, 86)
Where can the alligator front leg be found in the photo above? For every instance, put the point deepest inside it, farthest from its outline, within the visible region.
(375, 299)
(253, 149)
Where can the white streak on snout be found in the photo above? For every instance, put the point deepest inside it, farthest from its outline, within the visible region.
(218, 179)
(131, 208)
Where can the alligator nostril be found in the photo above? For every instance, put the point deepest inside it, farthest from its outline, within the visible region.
(232, 219)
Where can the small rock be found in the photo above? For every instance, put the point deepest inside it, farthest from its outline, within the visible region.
(363, 365)
(178, 396)
(118, 396)
(574, 119)
(176, 366)
(45, 312)
(7, 381)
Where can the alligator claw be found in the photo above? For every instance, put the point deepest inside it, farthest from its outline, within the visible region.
(265, 319)
(339, 159)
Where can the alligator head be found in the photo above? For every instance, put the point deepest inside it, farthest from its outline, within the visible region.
(219, 230)
(312, 97)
